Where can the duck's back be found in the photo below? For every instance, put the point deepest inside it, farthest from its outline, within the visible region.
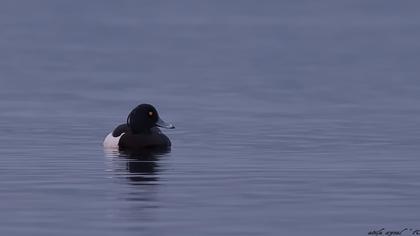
(112, 139)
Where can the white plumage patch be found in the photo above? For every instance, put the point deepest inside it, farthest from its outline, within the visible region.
(111, 141)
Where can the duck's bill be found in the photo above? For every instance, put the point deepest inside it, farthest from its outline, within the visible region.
(164, 124)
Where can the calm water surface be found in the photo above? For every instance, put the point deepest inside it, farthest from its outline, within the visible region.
(292, 118)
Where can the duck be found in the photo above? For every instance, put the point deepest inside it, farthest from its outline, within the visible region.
(141, 131)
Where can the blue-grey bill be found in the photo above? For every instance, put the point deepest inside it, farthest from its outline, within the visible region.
(164, 124)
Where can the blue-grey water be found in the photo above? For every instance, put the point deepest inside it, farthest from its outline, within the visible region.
(292, 117)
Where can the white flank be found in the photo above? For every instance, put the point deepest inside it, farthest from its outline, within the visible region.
(111, 141)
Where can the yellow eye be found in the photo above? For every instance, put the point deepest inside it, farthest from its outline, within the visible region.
(150, 113)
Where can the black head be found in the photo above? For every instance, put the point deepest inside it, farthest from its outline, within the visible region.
(144, 117)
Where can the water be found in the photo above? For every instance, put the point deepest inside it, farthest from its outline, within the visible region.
(292, 118)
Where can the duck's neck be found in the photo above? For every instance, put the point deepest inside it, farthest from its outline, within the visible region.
(142, 131)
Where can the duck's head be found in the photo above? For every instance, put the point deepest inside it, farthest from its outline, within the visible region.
(143, 118)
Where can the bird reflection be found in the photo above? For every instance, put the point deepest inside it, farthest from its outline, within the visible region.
(142, 165)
